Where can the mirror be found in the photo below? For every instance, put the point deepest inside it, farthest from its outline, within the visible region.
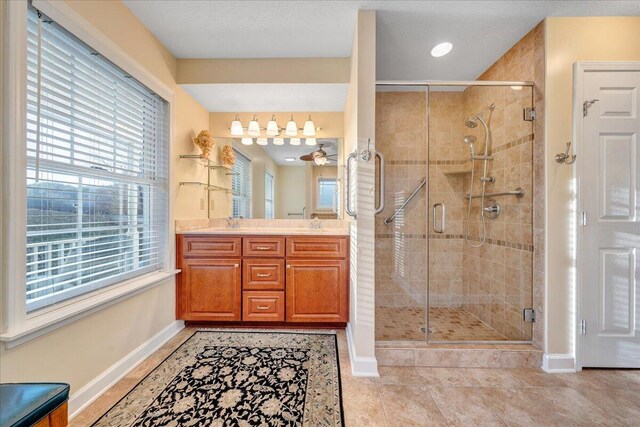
(286, 181)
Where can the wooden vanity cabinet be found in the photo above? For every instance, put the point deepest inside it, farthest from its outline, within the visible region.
(293, 279)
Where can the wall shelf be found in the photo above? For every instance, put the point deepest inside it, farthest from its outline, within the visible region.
(209, 165)
(458, 172)
(208, 186)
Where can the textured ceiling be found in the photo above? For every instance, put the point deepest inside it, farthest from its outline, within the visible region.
(269, 97)
(481, 31)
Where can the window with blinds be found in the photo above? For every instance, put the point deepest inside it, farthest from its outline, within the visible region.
(268, 196)
(241, 187)
(327, 194)
(97, 144)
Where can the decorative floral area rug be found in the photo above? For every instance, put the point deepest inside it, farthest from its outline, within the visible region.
(239, 378)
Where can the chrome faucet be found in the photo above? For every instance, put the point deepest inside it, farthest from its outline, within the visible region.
(233, 222)
(315, 224)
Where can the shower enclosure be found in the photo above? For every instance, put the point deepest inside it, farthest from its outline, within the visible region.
(454, 242)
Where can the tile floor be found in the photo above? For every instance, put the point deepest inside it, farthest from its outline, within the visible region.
(414, 396)
(447, 324)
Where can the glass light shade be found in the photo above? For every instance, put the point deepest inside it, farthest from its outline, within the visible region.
(310, 141)
(262, 141)
(254, 127)
(278, 141)
(247, 141)
(272, 127)
(320, 160)
(441, 49)
(309, 128)
(292, 128)
(236, 128)
(294, 141)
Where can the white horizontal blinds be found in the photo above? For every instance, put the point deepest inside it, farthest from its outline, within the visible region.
(241, 187)
(327, 194)
(268, 195)
(97, 144)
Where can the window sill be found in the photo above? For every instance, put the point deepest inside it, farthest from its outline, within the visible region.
(39, 325)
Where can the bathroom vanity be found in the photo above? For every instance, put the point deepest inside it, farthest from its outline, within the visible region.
(263, 276)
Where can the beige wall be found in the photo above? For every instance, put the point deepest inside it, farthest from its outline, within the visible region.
(260, 163)
(82, 350)
(569, 40)
(291, 197)
(331, 123)
(264, 70)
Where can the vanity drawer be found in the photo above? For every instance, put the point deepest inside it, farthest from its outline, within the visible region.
(317, 247)
(210, 246)
(263, 274)
(264, 246)
(263, 306)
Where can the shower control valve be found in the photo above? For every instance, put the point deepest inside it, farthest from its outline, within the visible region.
(487, 179)
(491, 209)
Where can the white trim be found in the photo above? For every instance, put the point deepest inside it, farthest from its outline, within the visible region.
(558, 363)
(579, 70)
(96, 387)
(73, 22)
(52, 320)
(360, 366)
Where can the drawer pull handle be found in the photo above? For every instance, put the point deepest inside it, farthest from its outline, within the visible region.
(263, 274)
(263, 248)
(263, 307)
(288, 267)
(236, 265)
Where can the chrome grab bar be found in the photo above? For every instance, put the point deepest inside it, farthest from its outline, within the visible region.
(435, 208)
(381, 189)
(390, 219)
(347, 206)
(518, 192)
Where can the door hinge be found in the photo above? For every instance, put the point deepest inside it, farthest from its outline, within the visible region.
(528, 114)
(529, 315)
(583, 327)
(586, 104)
(583, 220)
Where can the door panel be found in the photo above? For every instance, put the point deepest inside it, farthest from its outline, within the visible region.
(610, 240)
(213, 289)
(317, 291)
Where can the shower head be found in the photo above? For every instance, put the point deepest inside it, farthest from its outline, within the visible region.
(471, 122)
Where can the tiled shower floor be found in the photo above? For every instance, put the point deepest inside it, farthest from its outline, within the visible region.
(447, 324)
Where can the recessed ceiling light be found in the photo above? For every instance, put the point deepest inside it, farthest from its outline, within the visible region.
(441, 49)
(289, 159)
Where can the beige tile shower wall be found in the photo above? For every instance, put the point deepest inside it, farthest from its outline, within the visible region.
(401, 246)
(448, 158)
(503, 279)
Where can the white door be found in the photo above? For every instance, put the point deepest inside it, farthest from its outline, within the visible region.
(609, 251)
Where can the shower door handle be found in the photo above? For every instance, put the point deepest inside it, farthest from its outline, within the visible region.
(435, 209)
(381, 188)
(347, 205)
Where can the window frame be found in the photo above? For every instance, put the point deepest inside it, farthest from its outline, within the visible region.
(18, 325)
(240, 156)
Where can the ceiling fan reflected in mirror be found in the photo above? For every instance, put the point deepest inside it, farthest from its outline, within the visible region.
(319, 157)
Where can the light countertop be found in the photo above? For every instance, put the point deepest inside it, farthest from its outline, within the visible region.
(267, 231)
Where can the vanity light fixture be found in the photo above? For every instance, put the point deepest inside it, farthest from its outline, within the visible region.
(278, 141)
(254, 127)
(289, 159)
(261, 141)
(441, 49)
(310, 141)
(309, 128)
(236, 127)
(272, 127)
(292, 128)
(247, 141)
(294, 141)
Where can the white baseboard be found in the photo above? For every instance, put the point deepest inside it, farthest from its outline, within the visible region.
(90, 392)
(558, 363)
(360, 366)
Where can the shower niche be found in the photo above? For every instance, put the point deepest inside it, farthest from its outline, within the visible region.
(455, 262)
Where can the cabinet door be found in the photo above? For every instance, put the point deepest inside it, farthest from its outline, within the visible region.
(211, 289)
(317, 291)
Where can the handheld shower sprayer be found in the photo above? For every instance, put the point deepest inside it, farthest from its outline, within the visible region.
(470, 141)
